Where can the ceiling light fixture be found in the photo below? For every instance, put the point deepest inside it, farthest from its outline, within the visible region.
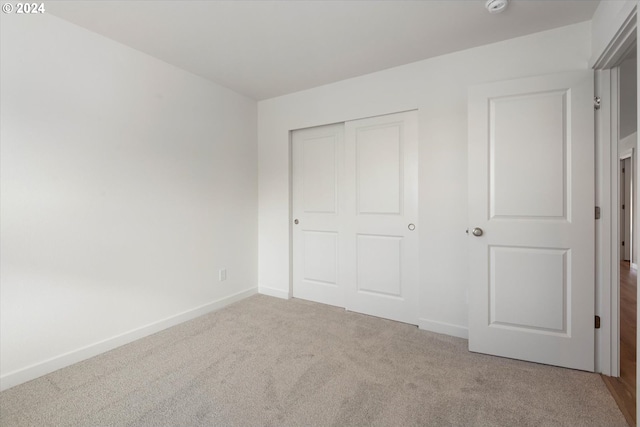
(496, 6)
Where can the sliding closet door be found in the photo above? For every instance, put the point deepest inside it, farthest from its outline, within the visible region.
(318, 155)
(381, 189)
(355, 205)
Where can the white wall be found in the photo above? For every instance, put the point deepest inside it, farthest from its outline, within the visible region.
(126, 184)
(438, 89)
(628, 95)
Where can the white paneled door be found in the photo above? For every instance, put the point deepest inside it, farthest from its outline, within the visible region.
(355, 189)
(381, 189)
(531, 219)
(318, 209)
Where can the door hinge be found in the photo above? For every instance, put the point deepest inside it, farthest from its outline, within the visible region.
(597, 322)
(597, 212)
(622, 206)
(597, 102)
(623, 243)
(622, 170)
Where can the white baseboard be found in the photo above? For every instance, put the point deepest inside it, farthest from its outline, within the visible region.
(278, 293)
(36, 370)
(443, 328)
(634, 266)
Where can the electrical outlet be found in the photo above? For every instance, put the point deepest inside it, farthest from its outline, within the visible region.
(222, 274)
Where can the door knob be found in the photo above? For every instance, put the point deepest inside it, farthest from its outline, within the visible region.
(295, 221)
(477, 232)
(411, 227)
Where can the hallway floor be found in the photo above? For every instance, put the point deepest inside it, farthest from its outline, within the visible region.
(623, 389)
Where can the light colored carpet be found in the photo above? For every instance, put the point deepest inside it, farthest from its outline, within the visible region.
(270, 362)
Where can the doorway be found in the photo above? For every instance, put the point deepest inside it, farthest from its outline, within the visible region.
(627, 147)
(622, 383)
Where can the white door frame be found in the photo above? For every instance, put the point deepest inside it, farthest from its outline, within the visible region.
(607, 198)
